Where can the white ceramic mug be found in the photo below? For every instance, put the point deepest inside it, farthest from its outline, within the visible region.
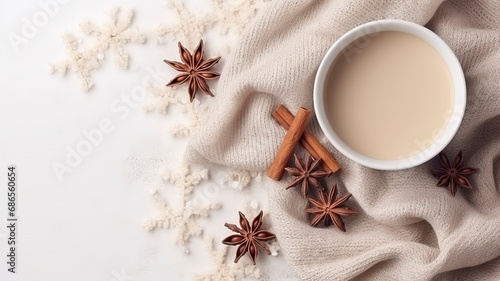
(449, 58)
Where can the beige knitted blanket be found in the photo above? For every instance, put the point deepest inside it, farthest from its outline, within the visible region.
(407, 229)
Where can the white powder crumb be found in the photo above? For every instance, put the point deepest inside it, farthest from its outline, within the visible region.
(254, 204)
(274, 247)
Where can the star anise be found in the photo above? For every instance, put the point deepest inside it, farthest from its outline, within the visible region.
(194, 70)
(329, 208)
(306, 174)
(249, 237)
(453, 175)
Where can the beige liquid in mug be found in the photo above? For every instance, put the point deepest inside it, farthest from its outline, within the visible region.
(389, 96)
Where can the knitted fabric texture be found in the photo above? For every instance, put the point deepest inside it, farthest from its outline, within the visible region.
(407, 229)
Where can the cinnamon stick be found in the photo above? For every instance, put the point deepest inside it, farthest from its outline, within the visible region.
(284, 117)
(292, 137)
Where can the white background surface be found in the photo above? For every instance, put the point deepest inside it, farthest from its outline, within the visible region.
(89, 226)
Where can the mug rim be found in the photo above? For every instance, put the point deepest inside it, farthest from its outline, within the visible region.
(446, 54)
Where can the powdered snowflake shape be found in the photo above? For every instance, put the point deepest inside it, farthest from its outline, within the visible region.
(185, 179)
(193, 112)
(163, 97)
(79, 60)
(83, 60)
(234, 15)
(190, 26)
(220, 270)
(184, 219)
(115, 35)
(186, 27)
